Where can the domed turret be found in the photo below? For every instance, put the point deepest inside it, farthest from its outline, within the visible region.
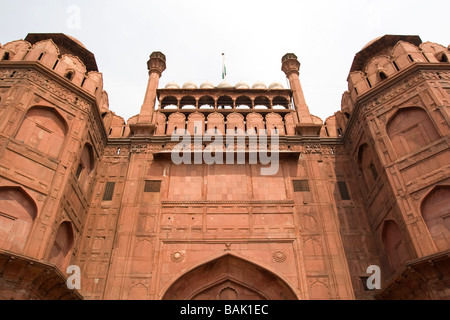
(242, 85)
(224, 85)
(190, 85)
(259, 85)
(172, 85)
(276, 86)
(207, 85)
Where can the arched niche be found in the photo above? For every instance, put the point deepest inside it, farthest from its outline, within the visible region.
(235, 123)
(435, 210)
(62, 246)
(229, 277)
(85, 166)
(394, 244)
(411, 129)
(17, 214)
(176, 124)
(367, 166)
(44, 129)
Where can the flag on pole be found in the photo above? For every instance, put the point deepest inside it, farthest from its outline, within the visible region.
(224, 68)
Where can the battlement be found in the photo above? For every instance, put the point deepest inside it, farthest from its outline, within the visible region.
(65, 56)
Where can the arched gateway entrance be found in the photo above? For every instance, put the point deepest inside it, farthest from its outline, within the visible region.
(229, 278)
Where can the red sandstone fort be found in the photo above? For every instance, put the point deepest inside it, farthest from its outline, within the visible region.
(369, 186)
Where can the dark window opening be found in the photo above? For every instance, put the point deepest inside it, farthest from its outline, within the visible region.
(396, 66)
(152, 186)
(109, 191)
(301, 185)
(175, 130)
(56, 63)
(343, 190)
(339, 132)
(256, 130)
(84, 80)
(368, 81)
(383, 76)
(215, 130)
(12, 74)
(410, 58)
(374, 172)
(235, 130)
(41, 56)
(69, 75)
(356, 91)
(78, 173)
(195, 130)
(276, 130)
(6, 56)
(110, 131)
(443, 58)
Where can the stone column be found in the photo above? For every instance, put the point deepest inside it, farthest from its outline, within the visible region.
(291, 67)
(145, 124)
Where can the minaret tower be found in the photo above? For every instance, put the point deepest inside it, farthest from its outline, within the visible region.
(306, 125)
(156, 66)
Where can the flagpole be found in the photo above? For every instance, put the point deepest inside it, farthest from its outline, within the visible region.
(224, 68)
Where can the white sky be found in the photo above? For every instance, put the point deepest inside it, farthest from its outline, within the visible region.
(254, 35)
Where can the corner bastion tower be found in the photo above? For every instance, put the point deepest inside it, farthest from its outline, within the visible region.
(80, 186)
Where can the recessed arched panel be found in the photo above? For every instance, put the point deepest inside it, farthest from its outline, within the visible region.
(275, 124)
(216, 124)
(435, 210)
(393, 244)
(43, 129)
(255, 124)
(411, 129)
(229, 277)
(160, 124)
(235, 124)
(176, 124)
(366, 163)
(17, 213)
(196, 124)
(62, 246)
(86, 164)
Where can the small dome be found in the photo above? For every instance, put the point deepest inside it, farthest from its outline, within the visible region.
(276, 86)
(172, 85)
(242, 85)
(259, 85)
(224, 85)
(76, 40)
(207, 85)
(372, 42)
(190, 85)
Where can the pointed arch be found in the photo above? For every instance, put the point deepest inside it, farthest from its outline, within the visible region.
(62, 246)
(246, 279)
(410, 129)
(394, 244)
(44, 129)
(85, 166)
(435, 209)
(17, 214)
